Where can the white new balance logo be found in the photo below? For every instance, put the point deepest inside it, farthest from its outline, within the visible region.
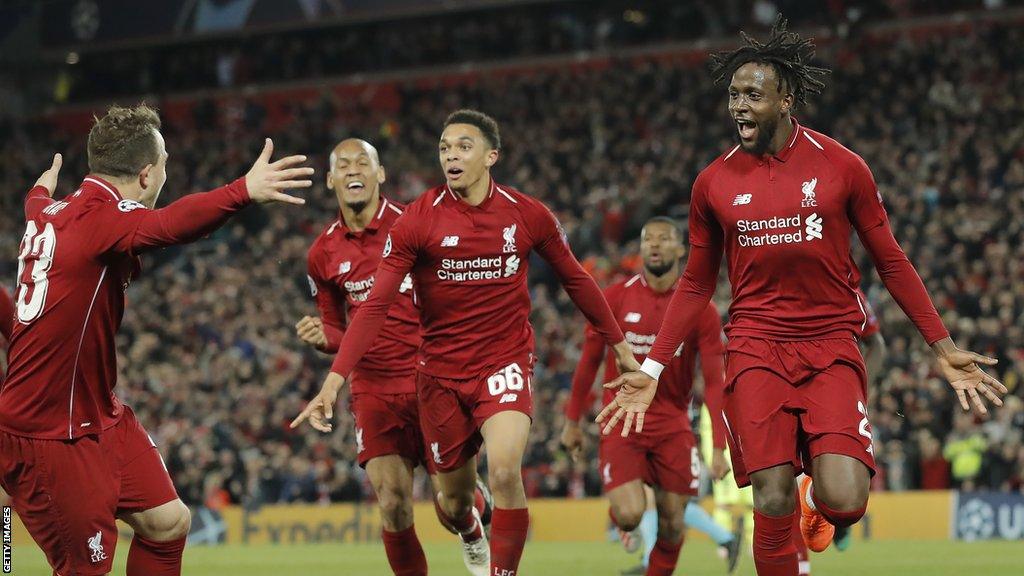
(742, 199)
(437, 452)
(632, 317)
(450, 241)
(508, 397)
(813, 229)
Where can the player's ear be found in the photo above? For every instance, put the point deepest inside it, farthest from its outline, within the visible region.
(330, 179)
(381, 175)
(787, 102)
(491, 159)
(144, 176)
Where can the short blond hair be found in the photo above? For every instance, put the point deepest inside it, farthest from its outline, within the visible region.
(123, 142)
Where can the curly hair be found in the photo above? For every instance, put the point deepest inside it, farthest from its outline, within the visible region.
(785, 51)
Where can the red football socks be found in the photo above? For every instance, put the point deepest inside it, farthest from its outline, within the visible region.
(774, 553)
(802, 555)
(150, 558)
(663, 558)
(508, 537)
(404, 552)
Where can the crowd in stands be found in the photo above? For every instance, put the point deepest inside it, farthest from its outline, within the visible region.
(456, 37)
(208, 355)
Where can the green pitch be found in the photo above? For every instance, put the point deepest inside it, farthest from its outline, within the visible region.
(573, 559)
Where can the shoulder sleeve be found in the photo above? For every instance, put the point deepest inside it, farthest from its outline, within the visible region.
(404, 241)
(704, 228)
(36, 199)
(330, 300)
(864, 207)
(129, 227)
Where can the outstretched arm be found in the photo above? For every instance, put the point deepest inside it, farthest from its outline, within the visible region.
(960, 367)
(637, 389)
(137, 229)
(580, 286)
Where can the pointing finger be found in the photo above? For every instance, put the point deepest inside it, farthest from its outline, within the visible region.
(302, 416)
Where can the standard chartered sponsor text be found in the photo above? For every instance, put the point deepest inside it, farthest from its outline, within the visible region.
(769, 225)
(481, 268)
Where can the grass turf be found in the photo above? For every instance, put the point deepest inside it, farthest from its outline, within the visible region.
(907, 558)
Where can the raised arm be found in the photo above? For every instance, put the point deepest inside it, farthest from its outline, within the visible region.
(130, 227)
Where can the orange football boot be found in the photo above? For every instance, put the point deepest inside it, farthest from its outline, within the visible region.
(816, 530)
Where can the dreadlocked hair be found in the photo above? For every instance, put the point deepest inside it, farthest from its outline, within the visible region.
(785, 51)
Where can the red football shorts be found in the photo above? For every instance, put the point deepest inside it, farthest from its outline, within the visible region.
(68, 492)
(453, 410)
(668, 460)
(788, 402)
(388, 424)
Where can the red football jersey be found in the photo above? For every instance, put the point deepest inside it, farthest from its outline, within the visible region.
(469, 265)
(341, 267)
(784, 223)
(77, 258)
(639, 311)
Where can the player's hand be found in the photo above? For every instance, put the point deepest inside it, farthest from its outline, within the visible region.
(719, 464)
(311, 331)
(960, 367)
(572, 439)
(636, 392)
(266, 180)
(320, 410)
(48, 179)
(624, 359)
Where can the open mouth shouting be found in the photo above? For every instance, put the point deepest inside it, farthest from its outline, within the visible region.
(454, 173)
(747, 129)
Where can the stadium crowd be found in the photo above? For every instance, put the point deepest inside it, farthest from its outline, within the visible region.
(538, 29)
(211, 364)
